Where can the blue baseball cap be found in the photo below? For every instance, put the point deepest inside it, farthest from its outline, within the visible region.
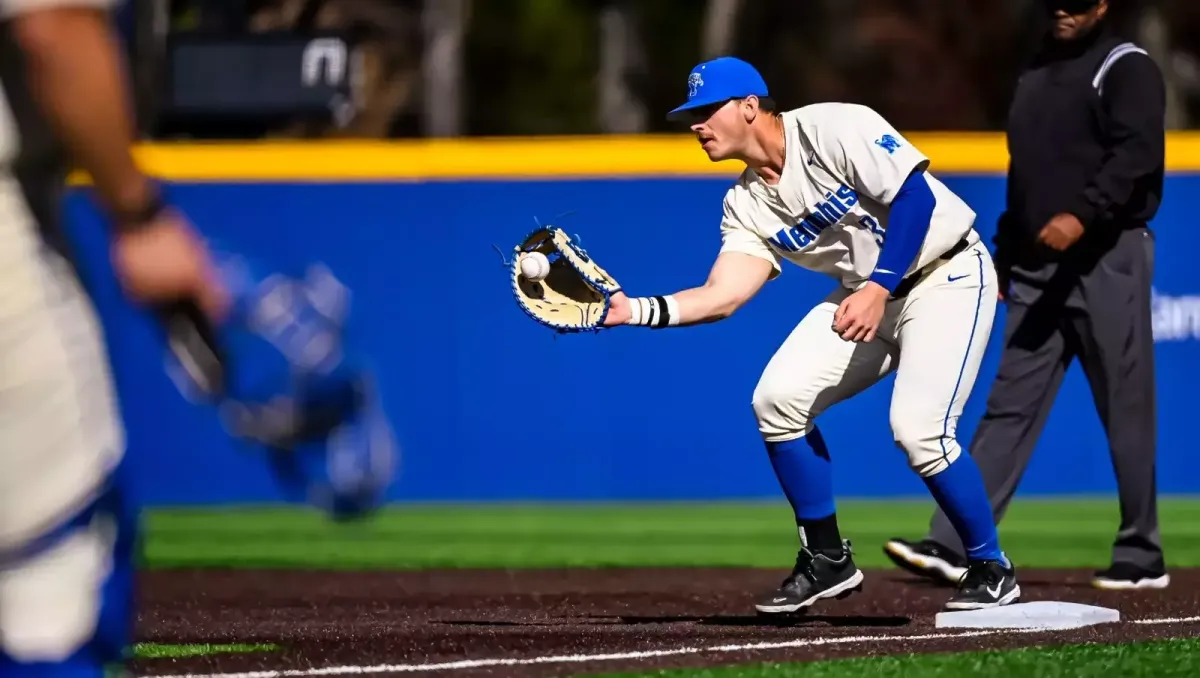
(718, 81)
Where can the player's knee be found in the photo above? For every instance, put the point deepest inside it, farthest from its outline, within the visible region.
(926, 446)
(929, 464)
(780, 416)
(909, 432)
(51, 605)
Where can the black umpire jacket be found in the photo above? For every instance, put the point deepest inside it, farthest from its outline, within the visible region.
(1088, 146)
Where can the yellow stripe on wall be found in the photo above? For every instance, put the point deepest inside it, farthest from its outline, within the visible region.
(532, 158)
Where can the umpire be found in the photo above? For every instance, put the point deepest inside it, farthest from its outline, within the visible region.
(1074, 256)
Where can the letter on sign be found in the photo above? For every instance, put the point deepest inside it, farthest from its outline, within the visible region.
(324, 55)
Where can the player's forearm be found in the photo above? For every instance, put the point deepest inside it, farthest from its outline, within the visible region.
(77, 76)
(706, 304)
(695, 306)
(734, 279)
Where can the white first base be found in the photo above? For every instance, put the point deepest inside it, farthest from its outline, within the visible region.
(1038, 615)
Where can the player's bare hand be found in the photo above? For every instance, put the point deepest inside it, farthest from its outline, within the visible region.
(619, 311)
(859, 315)
(166, 261)
(1062, 231)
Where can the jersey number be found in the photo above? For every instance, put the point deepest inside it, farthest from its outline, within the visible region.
(868, 222)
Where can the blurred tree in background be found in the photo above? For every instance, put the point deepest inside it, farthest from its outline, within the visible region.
(531, 67)
(534, 67)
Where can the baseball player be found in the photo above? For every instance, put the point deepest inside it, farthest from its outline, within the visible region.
(67, 520)
(833, 188)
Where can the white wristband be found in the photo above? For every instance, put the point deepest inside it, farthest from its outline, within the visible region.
(661, 311)
(672, 310)
(635, 311)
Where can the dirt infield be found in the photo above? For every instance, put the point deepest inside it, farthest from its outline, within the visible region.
(420, 618)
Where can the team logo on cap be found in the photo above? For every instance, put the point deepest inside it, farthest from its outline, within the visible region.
(695, 82)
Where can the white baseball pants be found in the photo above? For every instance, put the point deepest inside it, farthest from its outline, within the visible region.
(61, 440)
(934, 338)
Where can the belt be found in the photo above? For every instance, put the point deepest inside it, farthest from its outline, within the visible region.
(917, 276)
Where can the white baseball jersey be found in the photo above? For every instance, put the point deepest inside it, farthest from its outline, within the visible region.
(843, 166)
(60, 429)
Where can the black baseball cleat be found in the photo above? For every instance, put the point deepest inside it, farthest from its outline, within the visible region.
(988, 583)
(928, 559)
(1129, 577)
(816, 576)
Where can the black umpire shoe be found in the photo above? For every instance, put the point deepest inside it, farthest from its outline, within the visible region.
(988, 583)
(816, 576)
(1129, 577)
(927, 559)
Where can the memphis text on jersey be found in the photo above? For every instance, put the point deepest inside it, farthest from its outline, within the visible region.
(826, 213)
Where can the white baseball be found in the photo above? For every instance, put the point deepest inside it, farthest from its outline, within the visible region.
(535, 266)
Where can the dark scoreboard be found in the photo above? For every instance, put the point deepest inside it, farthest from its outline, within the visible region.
(204, 79)
(259, 74)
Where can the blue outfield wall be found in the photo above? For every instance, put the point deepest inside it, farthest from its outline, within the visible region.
(489, 406)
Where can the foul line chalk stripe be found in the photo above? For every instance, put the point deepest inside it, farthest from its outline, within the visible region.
(1169, 620)
(585, 658)
(621, 656)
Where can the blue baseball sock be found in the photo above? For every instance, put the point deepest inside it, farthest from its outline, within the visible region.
(959, 491)
(805, 473)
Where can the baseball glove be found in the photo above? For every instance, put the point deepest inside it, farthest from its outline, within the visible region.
(574, 296)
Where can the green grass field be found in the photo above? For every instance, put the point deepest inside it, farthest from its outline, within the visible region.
(1036, 533)
(1172, 658)
(167, 651)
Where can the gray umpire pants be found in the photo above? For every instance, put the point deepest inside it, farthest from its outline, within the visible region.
(1102, 316)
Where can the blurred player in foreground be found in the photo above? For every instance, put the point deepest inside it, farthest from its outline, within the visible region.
(67, 529)
(834, 188)
(68, 522)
